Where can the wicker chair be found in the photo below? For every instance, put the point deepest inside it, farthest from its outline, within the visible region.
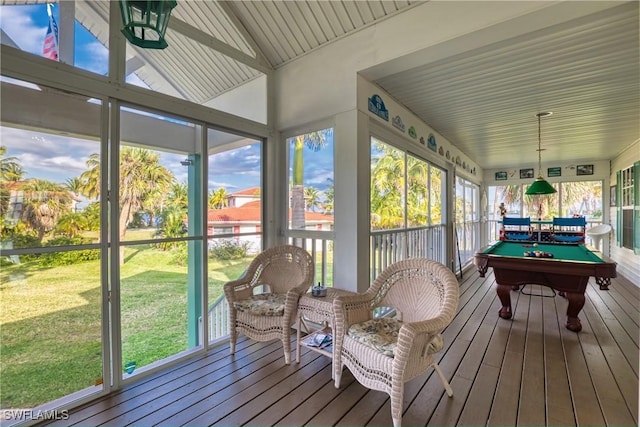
(287, 272)
(384, 353)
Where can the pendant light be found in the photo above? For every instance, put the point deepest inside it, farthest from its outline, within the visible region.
(540, 186)
(145, 21)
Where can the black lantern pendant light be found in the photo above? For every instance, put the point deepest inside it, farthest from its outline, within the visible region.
(540, 186)
(145, 22)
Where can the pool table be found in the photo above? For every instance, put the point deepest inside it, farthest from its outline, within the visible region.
(568, 272)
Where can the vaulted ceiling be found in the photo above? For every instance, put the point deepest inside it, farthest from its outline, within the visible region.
(482, 98)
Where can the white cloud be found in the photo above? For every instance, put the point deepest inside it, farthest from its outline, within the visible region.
(17, 23)
(94, 57)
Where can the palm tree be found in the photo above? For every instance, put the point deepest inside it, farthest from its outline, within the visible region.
(387, 188)
(45, 202)
(141, 174)
(10, 169)
(314, 141)
(90, 179)
(218, 199)
(329, 196)
(417, 191)
(72, 223)
(179, 195)
(92, 215)
(312, 197)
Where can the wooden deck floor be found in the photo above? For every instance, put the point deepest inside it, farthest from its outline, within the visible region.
(528, 371)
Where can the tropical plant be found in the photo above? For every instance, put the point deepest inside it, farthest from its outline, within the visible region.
(71, 224)
(10, 169)
(227, 249)
(173, 225)
(44, 203)
(387, 187)
(218, 199)
(417, 192)
(141, 175)
(312, 198)
(179, 195)
(92, 215)
(328, 206)
(314, 141)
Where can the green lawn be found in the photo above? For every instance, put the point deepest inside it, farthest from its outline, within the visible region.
(50, 333)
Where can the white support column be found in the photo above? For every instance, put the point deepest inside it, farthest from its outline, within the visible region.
(117, 45)
(351, 249)
(66, 33)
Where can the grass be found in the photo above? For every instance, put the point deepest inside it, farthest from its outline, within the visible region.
(50, 333)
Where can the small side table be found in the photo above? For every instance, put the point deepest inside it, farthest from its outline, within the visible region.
(318, 310)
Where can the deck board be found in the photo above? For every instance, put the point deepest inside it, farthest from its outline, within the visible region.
(529, 370)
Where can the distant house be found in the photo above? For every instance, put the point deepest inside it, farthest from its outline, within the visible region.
(241, 218)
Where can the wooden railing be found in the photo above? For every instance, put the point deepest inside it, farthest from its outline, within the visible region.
(218, 318)
(389, 246)
(320, 245)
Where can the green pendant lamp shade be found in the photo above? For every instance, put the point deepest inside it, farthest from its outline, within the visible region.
(145, 22)
(540, 185)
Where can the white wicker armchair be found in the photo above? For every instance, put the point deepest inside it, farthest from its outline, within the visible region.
(287, 271)
(384, 353)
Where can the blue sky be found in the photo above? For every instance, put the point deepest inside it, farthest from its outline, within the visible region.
(58, 158)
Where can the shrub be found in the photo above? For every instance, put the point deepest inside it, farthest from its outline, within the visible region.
(179, 253)
(53, 259)
(227, 249)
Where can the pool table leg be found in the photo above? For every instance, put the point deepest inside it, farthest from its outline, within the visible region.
(505, 298)
(604, 283)
(576, 302)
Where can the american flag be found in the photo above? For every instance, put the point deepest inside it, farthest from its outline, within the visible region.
(50, 48)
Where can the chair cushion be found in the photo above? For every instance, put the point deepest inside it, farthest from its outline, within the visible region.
(568, 238)
(263, 304)
(515, 236)
(381, 334)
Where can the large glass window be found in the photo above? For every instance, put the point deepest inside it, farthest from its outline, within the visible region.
(311, 201)
(311, 180)
(234, 217)
(58, 31)
(573, 198)
(407, 207)
(160, 292)
(627, 215)
(50, 265)
(467, 232)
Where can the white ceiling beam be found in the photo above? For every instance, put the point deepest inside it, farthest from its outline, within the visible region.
(224, 5)
(208, 40)
(134, 64)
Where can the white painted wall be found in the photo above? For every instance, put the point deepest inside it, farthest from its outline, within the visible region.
(471, 170)
(248, 101)
(601, 171)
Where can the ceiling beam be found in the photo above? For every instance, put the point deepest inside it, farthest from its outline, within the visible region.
(226, 7)
(208, 40)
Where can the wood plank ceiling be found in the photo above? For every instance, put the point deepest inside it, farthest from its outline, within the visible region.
(586, 70)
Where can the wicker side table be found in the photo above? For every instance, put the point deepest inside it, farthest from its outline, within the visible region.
(318, 310)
